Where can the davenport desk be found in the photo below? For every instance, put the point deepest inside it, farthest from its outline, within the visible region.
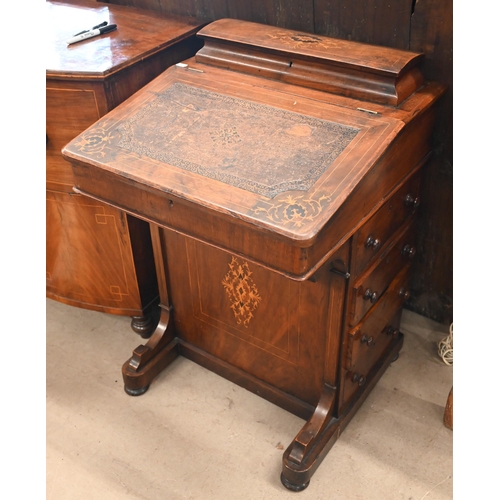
(97, 256)
(279, 172)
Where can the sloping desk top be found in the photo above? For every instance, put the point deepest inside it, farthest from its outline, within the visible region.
(250, 154)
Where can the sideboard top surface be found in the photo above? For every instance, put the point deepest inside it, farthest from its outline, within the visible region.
(139, 34)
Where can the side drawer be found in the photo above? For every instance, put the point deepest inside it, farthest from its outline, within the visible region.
(370, 239)
(371, 285)
(355, 378)
(367, 340)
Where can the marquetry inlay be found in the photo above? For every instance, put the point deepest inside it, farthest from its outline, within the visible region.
(241, 290)
(95, 142)
(292, 211)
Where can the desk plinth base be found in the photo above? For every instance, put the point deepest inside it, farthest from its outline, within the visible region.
(308, 449)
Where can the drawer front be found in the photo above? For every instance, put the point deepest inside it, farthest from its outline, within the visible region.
(369, 288)
(68, 113)
(369, 240)
(368, 340)
(355, 378)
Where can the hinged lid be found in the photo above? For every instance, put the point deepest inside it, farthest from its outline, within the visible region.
(275, 160)
(373, 73)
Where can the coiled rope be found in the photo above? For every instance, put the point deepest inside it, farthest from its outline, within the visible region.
(445, 348)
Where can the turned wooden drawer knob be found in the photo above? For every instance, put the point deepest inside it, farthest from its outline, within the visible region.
(358, 379)
(409, 251)
(372, 242)
(404, 293)
(392, 331)
(370, 295)
(368, 340)
(412, 201)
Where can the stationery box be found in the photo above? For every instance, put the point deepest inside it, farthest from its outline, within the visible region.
(280, 174)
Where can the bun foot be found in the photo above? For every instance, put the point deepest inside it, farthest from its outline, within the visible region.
(136, 392)
(293, 487)
(143, 325)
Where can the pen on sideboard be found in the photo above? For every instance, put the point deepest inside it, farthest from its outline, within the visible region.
(91, 33)
(93, 28)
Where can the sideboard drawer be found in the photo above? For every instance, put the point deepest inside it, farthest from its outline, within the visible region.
(372, 284)
(69, 111)
(370, 239)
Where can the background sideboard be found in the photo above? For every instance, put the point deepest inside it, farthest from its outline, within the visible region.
(98, 257)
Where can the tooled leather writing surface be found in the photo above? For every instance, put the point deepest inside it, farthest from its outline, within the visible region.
(255, 147)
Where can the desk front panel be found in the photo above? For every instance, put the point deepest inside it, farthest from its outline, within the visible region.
(273, 328)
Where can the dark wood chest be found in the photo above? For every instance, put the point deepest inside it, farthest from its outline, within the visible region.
(279, 172)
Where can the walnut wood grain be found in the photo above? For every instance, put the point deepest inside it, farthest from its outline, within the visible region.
(381, 325)
(140, 35)
(376, 232)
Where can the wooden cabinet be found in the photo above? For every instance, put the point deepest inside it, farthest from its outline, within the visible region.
(98, 257)
(279, 172)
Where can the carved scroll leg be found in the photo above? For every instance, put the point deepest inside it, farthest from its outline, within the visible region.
(299, 457)
(149, 360)
(319, 434)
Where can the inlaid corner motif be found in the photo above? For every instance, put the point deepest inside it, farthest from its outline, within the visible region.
(95, 141)
(301, 40)
(291, 210)
(241, 290)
